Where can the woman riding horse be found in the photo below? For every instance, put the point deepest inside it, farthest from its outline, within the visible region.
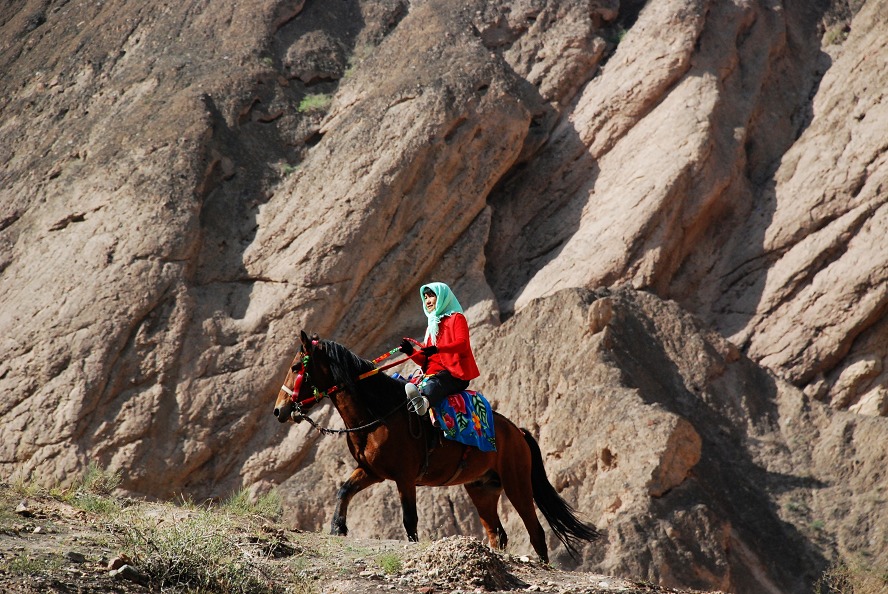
(385, 441)
(447, 361)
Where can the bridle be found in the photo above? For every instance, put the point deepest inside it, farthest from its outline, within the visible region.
(301, 370)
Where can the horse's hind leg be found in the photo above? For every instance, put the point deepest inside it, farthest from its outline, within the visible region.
(519, 490)
(407, 493)
(357, 482)
(485, 494)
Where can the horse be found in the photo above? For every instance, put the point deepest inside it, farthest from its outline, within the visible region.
(389, 442)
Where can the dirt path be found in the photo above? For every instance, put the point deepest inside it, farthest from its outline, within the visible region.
(50, 545)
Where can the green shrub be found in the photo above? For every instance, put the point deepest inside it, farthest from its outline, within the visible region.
(99, 481)
(389, 562)
(268, 505)
(95, 504)
(835, 35)
(23, 564)
(93, 493)
(200, 552)
(315, 103)
(25, 488)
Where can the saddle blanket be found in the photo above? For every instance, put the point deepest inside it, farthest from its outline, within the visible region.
(467, 418)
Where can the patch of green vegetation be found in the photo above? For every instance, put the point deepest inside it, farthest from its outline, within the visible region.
(300, 564)
(186, 502)
(91, 493)
(95, 504)
(231, 547)
(23, 564)
(98, 540)
(100, 481)
(389, 562)
(796, 506)
(203, 552)
(315, 103)
(357, 550)
(620, 34)
(835, 35)
(25, 487)
(94, 491)
(268, 505)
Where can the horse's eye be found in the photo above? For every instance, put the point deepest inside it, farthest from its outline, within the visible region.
(296, 367)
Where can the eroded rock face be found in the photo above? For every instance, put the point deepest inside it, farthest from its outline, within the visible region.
(174, 210)
(701, 468)
(826, 290)
(690, 173)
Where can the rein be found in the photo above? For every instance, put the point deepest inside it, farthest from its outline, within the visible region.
(329, 431)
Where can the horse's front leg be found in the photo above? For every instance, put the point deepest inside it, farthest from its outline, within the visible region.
(359, 480)
(407, 491)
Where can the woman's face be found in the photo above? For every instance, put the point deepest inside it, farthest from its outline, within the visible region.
(430, 300)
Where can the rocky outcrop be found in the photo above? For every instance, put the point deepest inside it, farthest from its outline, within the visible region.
(826, 288)
(745, 200)
(184, 190)
(701, 467)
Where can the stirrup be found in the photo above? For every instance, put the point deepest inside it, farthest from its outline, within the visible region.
(418, 403)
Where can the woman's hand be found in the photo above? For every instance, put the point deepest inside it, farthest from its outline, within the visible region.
(406, 347)
(429, 351)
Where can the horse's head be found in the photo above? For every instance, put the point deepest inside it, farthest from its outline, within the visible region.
(304, 384)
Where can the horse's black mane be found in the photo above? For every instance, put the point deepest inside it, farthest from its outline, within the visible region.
(347, 366)
(344, 364)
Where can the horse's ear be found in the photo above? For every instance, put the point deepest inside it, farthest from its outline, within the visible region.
(306, 343)
(316, 343)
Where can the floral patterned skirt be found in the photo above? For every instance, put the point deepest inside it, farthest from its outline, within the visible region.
(467, 418)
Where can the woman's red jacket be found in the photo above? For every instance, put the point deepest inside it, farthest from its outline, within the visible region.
(454, 350)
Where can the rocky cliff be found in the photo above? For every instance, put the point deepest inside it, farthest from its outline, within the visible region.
(666, 219)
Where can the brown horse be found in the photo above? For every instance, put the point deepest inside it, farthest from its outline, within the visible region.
(390, 443)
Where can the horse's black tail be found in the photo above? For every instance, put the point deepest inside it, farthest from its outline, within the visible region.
(561, 516)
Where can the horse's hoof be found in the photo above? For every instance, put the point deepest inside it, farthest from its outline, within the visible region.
(338, 528)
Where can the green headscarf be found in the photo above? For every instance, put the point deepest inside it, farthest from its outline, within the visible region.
(445, 305)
